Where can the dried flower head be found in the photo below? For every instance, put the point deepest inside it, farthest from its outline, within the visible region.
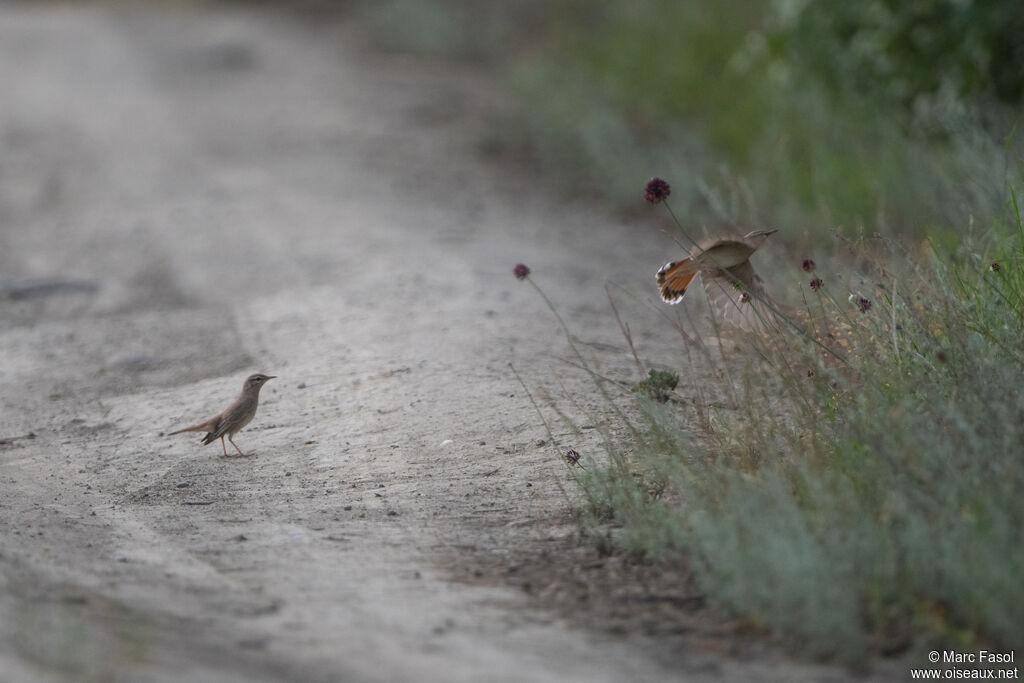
(572, 457)
(864, 304)
(941, 356)
(521, 271)
(810, 373)
(744, 297)
(808, 265)
(657, 190)
(994, 267)
(816, 283)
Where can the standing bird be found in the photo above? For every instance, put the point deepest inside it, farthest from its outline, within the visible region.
(236, 416)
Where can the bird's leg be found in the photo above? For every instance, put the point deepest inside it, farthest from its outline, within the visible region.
(224, 447)
(236, 446)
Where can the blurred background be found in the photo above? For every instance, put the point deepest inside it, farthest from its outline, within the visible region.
(878, 116)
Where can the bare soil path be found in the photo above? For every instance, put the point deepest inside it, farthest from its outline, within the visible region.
(190, 195)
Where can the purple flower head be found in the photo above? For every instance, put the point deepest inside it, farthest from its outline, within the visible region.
(816, 283)
(995, 267)
(808, 265)
(657, 190)
(864, 304)
(744, 297)
(521, 271)
(572, 457)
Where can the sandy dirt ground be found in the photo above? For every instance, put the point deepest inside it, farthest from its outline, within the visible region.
(190, 195)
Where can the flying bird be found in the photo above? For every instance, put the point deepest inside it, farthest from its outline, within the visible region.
(724, 267)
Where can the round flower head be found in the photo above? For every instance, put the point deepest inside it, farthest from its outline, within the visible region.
(808, 265)
(816, 283)
(521, 271)
(657, 190)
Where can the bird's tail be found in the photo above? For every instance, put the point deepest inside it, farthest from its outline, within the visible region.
(201, 427)
(674, 278)
(186, 429)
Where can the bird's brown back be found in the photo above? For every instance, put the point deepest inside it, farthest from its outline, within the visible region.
(721, 253)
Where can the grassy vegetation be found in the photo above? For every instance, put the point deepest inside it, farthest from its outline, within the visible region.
(856, 505)
(866, 500)
(854, 487)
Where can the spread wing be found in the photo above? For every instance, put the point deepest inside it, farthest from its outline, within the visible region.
(739, 299)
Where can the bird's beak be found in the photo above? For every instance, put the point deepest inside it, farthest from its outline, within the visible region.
(770, 232)
(270, 377)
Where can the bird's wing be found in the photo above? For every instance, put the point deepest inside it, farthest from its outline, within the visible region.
(228, 419)
(739, 297)
(237, 415)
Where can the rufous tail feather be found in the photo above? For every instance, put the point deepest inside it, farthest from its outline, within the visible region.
(674, 279)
